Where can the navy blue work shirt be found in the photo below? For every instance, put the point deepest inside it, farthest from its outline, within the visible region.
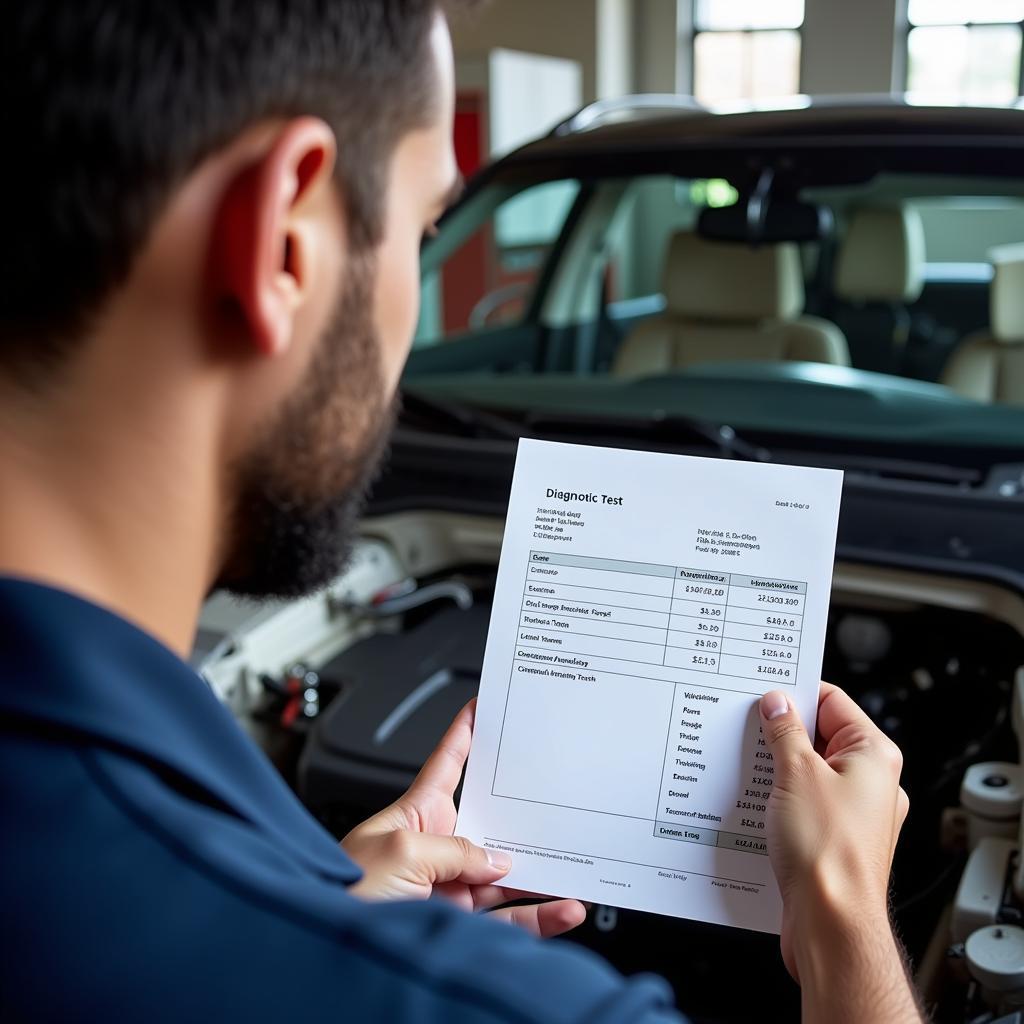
(155, 867)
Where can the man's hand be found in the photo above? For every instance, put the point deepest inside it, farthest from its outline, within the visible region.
(833, 819)
(407, 851)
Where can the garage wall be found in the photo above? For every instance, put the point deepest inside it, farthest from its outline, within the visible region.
(615, 71)
(558, 28)
(660, 59)
(849, 47)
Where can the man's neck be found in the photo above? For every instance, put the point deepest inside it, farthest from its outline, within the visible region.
(101, 508)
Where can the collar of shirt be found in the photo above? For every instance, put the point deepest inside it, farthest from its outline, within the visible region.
(71, 666)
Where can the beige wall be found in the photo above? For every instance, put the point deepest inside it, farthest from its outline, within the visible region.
(615, 71)
(849, 47)
(658, 60)
(560, 28)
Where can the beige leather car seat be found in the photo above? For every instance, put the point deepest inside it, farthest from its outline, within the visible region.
(726, 301)
(879, 273)
(989, 365)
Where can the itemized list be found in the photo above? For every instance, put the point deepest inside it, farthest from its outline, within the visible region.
(586, 619)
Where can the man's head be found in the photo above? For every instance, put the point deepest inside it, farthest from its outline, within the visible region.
(214, 215)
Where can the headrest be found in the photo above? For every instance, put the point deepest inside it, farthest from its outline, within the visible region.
(1007, 296)
(882, 257)
(728, 281)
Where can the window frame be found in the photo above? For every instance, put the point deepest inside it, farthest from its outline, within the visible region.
(695, 31)
(908, 26)
(479, 206)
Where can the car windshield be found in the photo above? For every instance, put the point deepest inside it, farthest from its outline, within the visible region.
(880, 302)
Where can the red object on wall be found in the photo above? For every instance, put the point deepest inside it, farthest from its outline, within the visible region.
(469, 132)
(465, 276)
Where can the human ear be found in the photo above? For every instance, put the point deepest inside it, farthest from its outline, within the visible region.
(264, 236)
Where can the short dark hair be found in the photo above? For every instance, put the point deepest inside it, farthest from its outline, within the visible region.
(109, 104)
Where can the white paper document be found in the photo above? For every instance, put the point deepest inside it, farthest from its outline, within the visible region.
(643, 604)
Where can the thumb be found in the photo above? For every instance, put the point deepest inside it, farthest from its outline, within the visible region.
(784, 732)
(456, 859)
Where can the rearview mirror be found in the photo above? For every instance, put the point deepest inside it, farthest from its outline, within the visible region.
(786, 220)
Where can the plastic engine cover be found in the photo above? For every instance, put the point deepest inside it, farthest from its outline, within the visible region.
(400, 693)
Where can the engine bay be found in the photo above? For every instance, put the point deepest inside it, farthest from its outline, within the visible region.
(348, 692)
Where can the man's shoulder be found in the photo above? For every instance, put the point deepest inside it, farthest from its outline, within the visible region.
(146, 897)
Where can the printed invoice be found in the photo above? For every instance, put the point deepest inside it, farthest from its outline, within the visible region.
(644, 602)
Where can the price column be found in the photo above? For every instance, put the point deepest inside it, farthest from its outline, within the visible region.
(696, 625)
(743, 827)
(762, 629)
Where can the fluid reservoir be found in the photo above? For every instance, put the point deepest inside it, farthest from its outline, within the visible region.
(991, 794)
(995, 958)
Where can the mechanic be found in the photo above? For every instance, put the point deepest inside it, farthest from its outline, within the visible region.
(210, 283)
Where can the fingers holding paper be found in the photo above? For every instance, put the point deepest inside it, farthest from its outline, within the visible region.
(545, 918)
(834, 817)
(408, 850)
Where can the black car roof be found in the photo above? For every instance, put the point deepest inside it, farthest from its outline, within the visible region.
(866, 119)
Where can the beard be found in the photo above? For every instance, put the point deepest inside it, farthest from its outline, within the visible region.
(301, 487)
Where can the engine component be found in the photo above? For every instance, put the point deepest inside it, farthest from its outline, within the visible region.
(863, 639)
(980, 893)
(407, 595)
(992, 793)
(397, 700)
(995, 958)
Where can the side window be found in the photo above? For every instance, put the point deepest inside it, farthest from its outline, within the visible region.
(960, 233)
(481, 271)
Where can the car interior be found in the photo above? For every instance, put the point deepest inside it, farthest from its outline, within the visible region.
(879, 275)
(988, 365)
(726, 302)
(886, 291)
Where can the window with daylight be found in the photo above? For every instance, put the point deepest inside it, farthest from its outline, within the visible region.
(746, 49)
(964, 51)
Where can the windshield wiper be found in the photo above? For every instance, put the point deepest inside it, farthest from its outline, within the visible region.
(456, 418)
(590, 427)
(909, 469)
(658, 426)
(470, 421)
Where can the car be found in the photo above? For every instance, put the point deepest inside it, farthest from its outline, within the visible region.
(839, 283)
